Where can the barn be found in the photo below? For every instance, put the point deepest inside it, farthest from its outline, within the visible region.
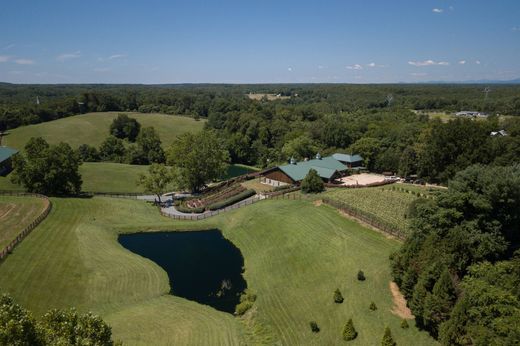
(5, 160)
(328, 169)
(351, 161)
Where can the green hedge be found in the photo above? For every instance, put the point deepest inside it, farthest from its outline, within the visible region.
(283, 187)
(232, 200)
(184, 209)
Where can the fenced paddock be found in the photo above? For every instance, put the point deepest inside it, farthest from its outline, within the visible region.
(27, 229)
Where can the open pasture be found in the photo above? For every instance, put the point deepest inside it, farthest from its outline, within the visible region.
(93, 128)
(16, 213)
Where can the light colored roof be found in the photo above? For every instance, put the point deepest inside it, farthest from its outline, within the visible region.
(347, 158)
(6, 152)
(326, 167)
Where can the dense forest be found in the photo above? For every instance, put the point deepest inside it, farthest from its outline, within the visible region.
(460, 268)
(380, 122)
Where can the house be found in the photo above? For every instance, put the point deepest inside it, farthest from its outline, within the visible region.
(5, 160)
(351, 161)
(328, 169)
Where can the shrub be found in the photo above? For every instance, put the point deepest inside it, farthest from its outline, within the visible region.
(232, 200)
(184, 209)
(312, 182)
(349, 332)
(404, 324)
(246, 302)
(387, 338)
(373, 306)
(338, 297)
(361, 276)
(314, 326)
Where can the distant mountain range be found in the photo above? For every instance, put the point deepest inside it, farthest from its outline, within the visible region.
(480, 81)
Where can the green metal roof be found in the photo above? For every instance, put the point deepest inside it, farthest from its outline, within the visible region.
(6, 152)
(326, 167)
(347, 158)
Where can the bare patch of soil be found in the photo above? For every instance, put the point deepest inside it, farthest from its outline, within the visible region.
(400, 309)
(318, 202)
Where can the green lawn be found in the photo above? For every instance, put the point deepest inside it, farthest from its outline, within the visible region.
(296, 254)
(16, 213)
(92, 128)
(383, 203)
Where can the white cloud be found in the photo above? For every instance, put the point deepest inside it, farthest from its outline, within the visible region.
(515, 28)
(451, 8)
(4, 58)
(321, 67)
(9, 46)
(373, 64)
(418, 74)
(428, 63)
(68, 56)
(477, 62)
(24, 61)
(354, 67)
(117, 56)
(437, 10)
(462, 62)
(289, 69)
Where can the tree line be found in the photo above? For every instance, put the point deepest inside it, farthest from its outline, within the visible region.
(460, 267)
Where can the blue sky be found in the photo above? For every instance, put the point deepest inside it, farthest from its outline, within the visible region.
(249, 41)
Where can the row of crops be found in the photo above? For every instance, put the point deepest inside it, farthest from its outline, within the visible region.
(385, 204)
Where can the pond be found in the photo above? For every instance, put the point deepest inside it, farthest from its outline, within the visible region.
(202, 266)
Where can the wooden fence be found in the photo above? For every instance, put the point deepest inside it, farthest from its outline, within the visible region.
(21, 236)
(241, 204)
(367, 218)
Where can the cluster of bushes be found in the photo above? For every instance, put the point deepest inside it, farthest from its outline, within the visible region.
(184, 209)
(56, 327)
(232, 200)
(247, 299)
(127, 143)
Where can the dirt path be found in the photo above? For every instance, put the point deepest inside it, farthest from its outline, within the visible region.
(400, 309)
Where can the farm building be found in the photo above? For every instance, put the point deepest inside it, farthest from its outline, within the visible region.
(351, 161)
(5, 160)
(328, 169)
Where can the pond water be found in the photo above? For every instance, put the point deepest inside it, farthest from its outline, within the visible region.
(202, 266)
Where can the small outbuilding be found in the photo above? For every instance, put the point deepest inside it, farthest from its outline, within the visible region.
(6, 154)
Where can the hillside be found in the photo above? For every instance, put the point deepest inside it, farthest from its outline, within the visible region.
(92, 128)
(294, 260)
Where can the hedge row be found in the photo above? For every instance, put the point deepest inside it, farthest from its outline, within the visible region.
(184, 209)
(232, 200)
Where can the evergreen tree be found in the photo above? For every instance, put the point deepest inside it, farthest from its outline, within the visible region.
(404, 324)
(361, 276)
(312, 182)
(314, 326)
(387, 338)
(373, 306)
(349, 332)
(438, 305)
(338, 297)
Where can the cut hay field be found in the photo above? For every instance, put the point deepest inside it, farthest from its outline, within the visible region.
(92, 128)
(16, 213)
(296, 254)
(382, 203)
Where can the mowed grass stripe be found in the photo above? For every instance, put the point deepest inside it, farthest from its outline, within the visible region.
(295, 255)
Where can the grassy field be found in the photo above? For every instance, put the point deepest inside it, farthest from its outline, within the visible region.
(92, 128)
(16, 213)
(382, 202)
(296, 254)
(116, 177)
